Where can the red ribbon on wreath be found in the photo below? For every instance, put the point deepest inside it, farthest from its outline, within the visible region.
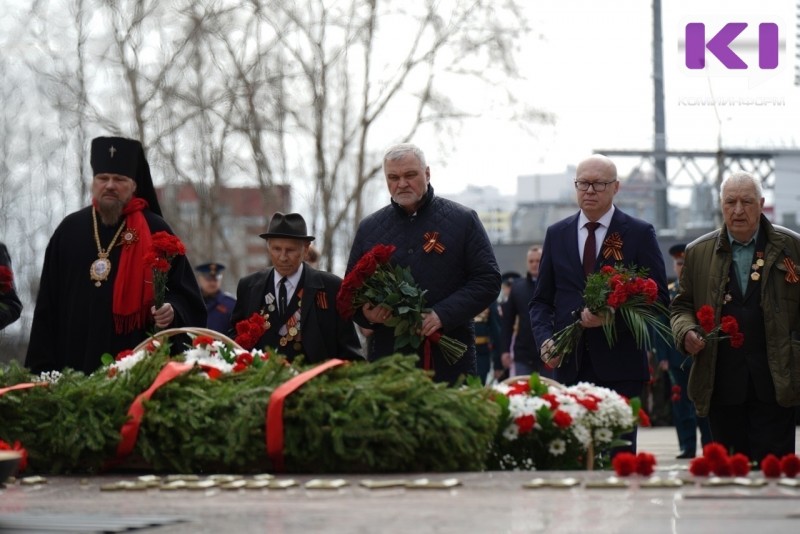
(613, 247)
(432, 243)
(130, 430)
(274, 422)
(26, 385)
(791, 274)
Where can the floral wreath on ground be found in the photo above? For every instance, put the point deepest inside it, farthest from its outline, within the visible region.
(549, 426)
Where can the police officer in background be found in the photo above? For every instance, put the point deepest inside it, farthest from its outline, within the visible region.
(219, 304)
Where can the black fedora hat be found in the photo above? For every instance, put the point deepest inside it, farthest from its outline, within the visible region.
(287, 226)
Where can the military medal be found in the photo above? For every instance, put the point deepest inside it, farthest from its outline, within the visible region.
(283, 342)
(755, 275)
(293, 331)
(297, 346)
(101, 267)
(270, 300)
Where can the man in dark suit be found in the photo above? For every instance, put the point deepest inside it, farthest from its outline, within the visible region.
(297, 301)
(599, 234)
(517, 322)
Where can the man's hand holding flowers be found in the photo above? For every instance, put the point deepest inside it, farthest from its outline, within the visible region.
(376, 314)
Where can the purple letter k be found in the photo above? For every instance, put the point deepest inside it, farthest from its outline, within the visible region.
(717, 45)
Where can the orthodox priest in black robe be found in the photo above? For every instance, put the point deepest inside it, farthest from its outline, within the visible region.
(96, 292)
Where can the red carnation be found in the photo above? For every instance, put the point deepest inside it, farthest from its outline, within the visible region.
(721, 467)
(123, 354)
(520, 387)
(737, 340)
(525, 423)
(771, 466)
(624, 464)
(250, 330)
(167, 245)
(199, 341)
(705, 316)
(714, 451)
(589, 403)
(562, 419)
(607, 269)
(729, 325)
(644, 419)
(552, 401)
(645, 463)
(740, 465)
(700, 467)
(790, 465)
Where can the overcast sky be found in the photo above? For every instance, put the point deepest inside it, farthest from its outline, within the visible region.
(590, 63)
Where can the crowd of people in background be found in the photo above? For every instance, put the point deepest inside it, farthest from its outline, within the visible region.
(97, 297)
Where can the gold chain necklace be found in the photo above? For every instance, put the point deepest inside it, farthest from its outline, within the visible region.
(101, 267)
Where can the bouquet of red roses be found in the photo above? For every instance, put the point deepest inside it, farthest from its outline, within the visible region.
(373, 280)
(728, 327)
(626, 291)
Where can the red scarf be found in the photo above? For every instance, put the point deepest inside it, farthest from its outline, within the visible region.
(133, 286)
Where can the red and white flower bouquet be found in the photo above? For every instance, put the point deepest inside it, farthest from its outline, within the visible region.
(213, 356)
(546, 426)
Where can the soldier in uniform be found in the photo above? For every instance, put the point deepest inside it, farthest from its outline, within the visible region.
(219, 304)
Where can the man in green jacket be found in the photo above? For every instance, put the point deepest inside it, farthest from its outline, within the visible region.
(748, 269)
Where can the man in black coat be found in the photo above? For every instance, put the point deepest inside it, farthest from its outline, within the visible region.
(96, 292)
(297, 301)
(447, 251)
(517, 322)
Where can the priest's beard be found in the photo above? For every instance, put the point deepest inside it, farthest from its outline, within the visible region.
(110, 211)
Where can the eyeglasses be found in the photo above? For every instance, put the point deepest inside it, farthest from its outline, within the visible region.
(598, 187)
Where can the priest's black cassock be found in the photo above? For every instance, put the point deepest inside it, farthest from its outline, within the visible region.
(73, 322)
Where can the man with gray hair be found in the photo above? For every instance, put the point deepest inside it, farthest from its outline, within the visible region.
(748, 269)
(447, 251)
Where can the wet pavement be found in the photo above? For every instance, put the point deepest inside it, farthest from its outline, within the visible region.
(481, 502)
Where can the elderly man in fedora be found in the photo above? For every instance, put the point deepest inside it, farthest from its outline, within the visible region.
(298, 301)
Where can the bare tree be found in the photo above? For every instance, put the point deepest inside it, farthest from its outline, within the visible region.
(267, 92)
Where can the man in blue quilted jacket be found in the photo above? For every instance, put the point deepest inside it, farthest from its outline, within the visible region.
(448, 252)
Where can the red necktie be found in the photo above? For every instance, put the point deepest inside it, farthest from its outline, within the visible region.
(590, 249)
